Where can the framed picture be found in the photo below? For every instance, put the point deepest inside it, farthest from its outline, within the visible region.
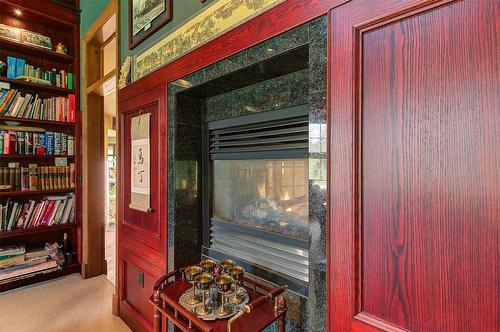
(145, 18)
(36, 39)
(10, 33)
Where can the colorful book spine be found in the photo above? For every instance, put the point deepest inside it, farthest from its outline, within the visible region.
(11, 67)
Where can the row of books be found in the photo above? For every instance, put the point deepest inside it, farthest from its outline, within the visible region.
(53, 210)
(27, 106)
(31, 143)
(17, 67)
(35, 178)
(16, 262)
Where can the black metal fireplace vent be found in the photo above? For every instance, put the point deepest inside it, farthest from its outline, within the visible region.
(274, 134)
(255, 243)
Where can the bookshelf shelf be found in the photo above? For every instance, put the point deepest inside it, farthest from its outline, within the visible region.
(33, 156)
(70, 269)
(32, 193)
(36, 87)
(36, 121)
(34, 230)
(35, 51)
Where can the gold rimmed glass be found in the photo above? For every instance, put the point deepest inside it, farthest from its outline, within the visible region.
(223, 283)
(191, 273)
(236, 273)
(203, 282)
(207, 265)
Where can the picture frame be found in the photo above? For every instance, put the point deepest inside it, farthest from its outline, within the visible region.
(35, 39)
(145, 18)
(10, 33)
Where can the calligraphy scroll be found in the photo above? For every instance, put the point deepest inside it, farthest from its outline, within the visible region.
(140, 164)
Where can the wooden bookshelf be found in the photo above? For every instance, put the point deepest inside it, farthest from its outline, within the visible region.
(61, 24)
(34, 156)
(34, 230)
(37, 122)
(25, 85)
(34, 51)
(35, 193)
(39, 277)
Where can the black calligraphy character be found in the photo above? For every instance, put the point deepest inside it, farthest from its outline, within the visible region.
(141, 158)
(140, 174)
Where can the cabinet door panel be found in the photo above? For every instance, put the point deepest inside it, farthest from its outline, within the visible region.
(416, 203)
(142, 235)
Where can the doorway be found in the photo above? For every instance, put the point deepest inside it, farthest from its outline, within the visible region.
(100, 59)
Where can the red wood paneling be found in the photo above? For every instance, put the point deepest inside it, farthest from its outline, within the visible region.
(377, 262)
(415, 166)
(142, 236)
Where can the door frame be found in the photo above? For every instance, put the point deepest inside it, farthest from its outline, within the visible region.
(93, 229)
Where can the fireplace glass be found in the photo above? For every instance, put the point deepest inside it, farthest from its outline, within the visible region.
(266, 194)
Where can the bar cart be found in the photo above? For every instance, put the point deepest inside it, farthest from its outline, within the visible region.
(264, 306)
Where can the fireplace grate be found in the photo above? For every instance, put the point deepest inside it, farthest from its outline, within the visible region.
(280, 133)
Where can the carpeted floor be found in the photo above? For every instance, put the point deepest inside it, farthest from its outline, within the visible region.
(66, 304)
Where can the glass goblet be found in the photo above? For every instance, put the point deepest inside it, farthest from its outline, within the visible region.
(203, 282)
(237, 273)
(223, 283)
(191, 272)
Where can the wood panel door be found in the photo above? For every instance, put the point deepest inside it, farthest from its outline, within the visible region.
(142, 236)
(415, 166)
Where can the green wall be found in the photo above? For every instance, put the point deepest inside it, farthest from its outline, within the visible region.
(91, 10)
(182, 11)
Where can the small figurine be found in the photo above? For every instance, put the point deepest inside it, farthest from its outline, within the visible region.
(61, 48)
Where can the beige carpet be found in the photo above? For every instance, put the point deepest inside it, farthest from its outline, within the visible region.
(66, 304)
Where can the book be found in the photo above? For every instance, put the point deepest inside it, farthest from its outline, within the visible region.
(49, 141)
(26, 270)
(33, 178)
(64, 144)
(34, 253)
(11, 261)
(20, 67)
(57, 143)
(11, 67)
(25, 179)
(71, 145)
(20, 142)
(13, 249)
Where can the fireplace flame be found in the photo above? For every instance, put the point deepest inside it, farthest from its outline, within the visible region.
(261, 187)
(286, 197)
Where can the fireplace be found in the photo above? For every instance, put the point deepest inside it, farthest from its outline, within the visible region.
(247, 167)
(257, 193)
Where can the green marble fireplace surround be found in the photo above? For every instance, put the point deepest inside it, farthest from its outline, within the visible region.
(282, 72)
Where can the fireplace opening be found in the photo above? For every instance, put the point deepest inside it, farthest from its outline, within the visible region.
(257, 195)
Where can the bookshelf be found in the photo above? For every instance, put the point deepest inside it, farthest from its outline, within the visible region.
(36, 121)
(61, 24)
(35, 230)
(35, 87)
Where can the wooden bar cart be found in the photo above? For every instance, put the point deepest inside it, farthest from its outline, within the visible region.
(266, 305)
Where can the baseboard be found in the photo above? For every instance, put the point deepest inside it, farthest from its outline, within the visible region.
(116, 304)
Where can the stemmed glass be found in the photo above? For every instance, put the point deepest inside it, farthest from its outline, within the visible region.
(203, 282)
(237, 273)
(207, 265)
(191, 273)
(226, 264)
(223, 283)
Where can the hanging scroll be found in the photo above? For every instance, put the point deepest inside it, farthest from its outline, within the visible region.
(140, 164)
